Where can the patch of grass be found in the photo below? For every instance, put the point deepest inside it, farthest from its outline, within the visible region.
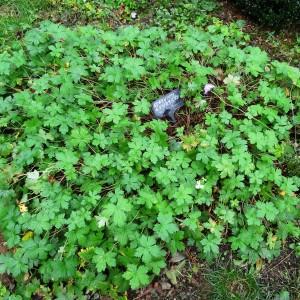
(233, 284)
(278, 279)
(18, 15)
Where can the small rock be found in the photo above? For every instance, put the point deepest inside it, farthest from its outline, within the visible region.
(166, 285)
(133, 15)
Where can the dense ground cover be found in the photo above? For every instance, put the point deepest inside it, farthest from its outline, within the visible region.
(97, 195)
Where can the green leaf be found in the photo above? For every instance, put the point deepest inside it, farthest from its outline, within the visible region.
(115, 114)
(266, 210)
(134, 67)
(137, 276)
(104, 259)
(141, 107)
(118, 212)
(256, 60)
(225, 214)
(166, 226)
(264, 141)
(66, 161)
(148, 250)
(80, 137)
(211, 244)
(192, 222)
(252, 217)
(148, 198)
(225, 166)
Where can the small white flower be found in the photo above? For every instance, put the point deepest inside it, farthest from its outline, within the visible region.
(33, 176)
(101, 221)
(199, 185)
(133, 15)
(208, 87)
(232, 79)
(61, 250)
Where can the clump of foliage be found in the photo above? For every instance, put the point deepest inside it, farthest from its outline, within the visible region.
(95, 196)
(94, 9)
(178, 15)
(110, 13)
(272, 12)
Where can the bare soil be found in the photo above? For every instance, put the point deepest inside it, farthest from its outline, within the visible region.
(282, 273)
(191, 282)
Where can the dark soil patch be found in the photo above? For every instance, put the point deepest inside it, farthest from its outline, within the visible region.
(185, 118)
(191, 282)
(283, 273)
(193, 288)
(3, 248)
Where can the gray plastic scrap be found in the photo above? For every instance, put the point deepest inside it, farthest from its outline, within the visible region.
(167, 105)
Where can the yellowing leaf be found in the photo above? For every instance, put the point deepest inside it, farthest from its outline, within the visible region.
(22, 207)
(287, 92)
(271, 242)
(259, 264)
(26, 277)
(282, 193)
(189, 142)
(27, 236)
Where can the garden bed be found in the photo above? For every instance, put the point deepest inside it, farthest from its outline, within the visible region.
(99, 197)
